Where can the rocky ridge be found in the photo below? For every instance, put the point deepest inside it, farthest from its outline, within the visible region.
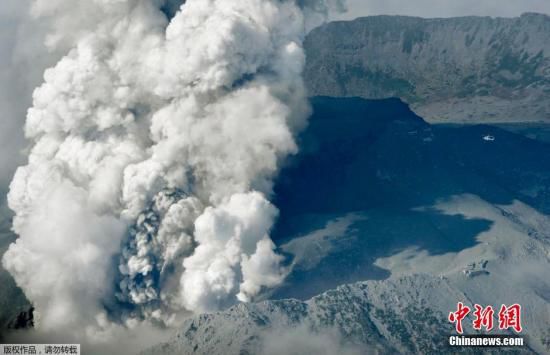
(460, 70)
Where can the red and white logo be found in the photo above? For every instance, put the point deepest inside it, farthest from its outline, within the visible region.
(509, 317)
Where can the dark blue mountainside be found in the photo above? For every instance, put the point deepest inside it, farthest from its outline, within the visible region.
(374, 164)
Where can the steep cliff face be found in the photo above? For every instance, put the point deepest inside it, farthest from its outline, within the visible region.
(470, 69)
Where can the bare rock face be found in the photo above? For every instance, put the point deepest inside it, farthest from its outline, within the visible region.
(24, 320)
(463, 70)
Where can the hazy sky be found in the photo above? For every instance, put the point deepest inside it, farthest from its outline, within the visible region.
(11, 104)
(445, 8)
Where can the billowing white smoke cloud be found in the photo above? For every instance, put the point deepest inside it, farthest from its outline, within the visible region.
(227, 235)
(155, 144)
(61, 265)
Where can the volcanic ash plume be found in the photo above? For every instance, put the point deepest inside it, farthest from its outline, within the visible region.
(155, 142)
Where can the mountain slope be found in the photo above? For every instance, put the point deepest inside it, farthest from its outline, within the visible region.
(470, 69)
(402, 315)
